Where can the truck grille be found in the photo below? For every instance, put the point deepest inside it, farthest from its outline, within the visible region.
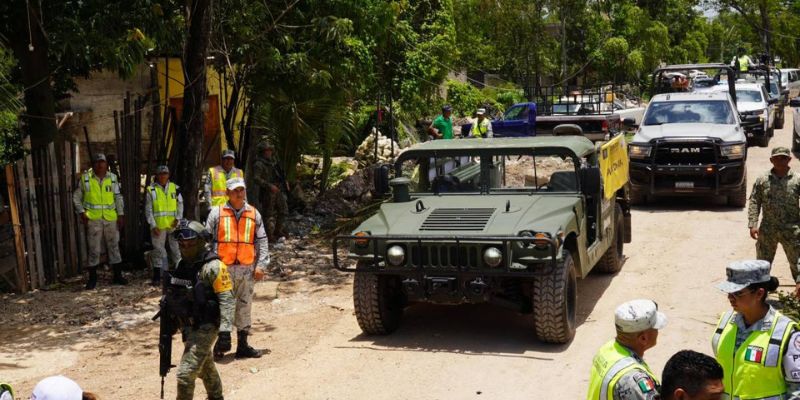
(457, 219)
(445, 256)
(686, 153)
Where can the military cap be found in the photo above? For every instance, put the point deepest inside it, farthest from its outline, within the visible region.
(228, 154)
(99, 157)
(162, 169)
(638, 316)
(234, 183)
(481, 111)
(781, 151)
(742, 274)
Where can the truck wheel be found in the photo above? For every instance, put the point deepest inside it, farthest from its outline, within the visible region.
(779, 123)
(637, 197)
(555, 297)
(763, 140)
(611, 261)
(739, 199)
(378, 302)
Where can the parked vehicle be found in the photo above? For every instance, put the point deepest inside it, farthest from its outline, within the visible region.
(690, 143)
(515, 223)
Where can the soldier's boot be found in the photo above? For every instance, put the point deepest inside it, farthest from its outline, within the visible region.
(223, 344)
(92, 282)
(118, 279)
(156, 279)
(243, 350)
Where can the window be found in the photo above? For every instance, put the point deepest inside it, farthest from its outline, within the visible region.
(517, 113)
(752, 96)
(676, 112)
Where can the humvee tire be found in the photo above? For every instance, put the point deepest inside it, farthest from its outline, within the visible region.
(739, 199)
(378, 302)
(554, 302)
(611, 261)
(763, 140)
(779, 122)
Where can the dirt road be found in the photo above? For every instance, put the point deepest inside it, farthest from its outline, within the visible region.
(679, 251)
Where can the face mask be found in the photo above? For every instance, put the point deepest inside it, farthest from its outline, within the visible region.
(194, 251)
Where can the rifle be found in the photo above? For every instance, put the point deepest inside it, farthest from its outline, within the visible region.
(166, 330)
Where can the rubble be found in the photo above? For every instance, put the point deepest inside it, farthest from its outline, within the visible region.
(365, 153)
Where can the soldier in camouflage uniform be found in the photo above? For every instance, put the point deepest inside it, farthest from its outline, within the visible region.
(775, 195)
(199, 291)
(271, 189)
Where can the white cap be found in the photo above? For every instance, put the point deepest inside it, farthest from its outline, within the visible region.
(234, 183)
(57, 388)
(481, 111)
(638, 316)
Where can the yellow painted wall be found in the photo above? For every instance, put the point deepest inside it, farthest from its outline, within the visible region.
(176, 84)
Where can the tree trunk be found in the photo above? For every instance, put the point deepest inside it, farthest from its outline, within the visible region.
(766, 33)
(40, 119)
(195, 96)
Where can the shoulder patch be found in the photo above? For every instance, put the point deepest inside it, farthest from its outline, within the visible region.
(223, 282)
(646, 384)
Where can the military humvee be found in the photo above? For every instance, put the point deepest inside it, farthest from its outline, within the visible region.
(512, 222)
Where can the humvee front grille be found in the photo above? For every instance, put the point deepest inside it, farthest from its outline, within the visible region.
(457, 219)
(445, 256)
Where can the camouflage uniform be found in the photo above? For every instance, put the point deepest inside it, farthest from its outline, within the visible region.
(266, 173)
(197, 360)
(777, 200)
(636, 385)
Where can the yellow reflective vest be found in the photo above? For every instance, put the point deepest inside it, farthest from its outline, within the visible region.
(480, 129)
(218, 179)
(99, 197)
(165, 204)
(744, 63)
(611, 363)
(754, 370)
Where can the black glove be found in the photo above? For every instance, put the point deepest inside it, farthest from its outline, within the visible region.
(223, 343)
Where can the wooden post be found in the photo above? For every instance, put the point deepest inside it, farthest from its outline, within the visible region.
(33, 206)
(69, 213)
(56, 203)
(22, 276)
(24, 203)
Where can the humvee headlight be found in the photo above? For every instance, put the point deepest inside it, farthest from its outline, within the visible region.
(638, 151)
(541, 240)
(362, 242)
(396, 255)
(733, 150)
(492, 256)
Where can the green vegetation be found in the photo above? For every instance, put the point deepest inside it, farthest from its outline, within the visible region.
(311, 72)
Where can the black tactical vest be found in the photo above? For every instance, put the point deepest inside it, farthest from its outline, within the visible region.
(189, 300)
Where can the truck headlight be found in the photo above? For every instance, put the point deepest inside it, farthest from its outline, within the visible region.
(733, 150)
(639, 151)
(396, 255)
(492, 256)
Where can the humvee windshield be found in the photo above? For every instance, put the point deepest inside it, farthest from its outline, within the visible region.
(510, 173)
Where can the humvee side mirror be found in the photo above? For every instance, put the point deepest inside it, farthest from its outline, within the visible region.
(590, 181)
(381, 179)
(400, 192)
(795, 102)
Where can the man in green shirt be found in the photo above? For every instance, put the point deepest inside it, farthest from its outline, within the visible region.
(442, 126)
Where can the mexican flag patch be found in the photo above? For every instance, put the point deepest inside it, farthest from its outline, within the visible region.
(753, 354)
(646, 384)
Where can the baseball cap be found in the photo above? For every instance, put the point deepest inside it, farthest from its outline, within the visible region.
(57, 388)
(162, 169)
(742, 274)
(781, 151)
(446, 108)
(234, 183)
(481, 111)
(638, 316)
(228, 154)
(99, 157)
